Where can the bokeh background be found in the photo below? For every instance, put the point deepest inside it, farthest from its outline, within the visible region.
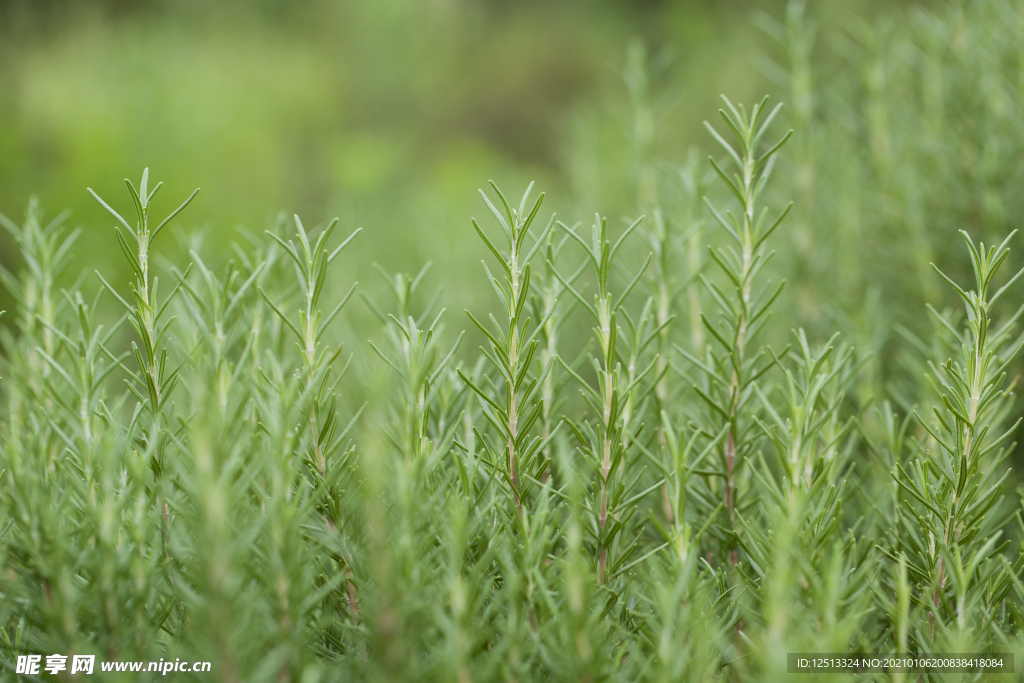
(389, 114)
(907, 119)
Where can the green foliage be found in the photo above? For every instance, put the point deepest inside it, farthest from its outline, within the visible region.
(955, 509)
(517, 454)
(606, 444)
(244, 494)
(729, 374)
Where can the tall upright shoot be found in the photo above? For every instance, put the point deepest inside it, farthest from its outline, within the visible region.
(953, 553)
(327, 457)
(153, 383)
(513, 406)
(730, 370)
(604, 443)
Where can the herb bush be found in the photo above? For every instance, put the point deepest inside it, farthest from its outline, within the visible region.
(640, 474)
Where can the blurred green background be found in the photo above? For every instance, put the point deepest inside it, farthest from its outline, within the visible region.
(389, 114)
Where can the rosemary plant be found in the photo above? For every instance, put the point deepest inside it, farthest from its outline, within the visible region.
(703, 514)
(154, 382)
(729, 374)
(513, 409)
(328, 458)
(605, 444)
(953, 501)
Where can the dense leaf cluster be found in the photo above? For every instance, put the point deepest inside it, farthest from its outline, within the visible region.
(626, 482)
